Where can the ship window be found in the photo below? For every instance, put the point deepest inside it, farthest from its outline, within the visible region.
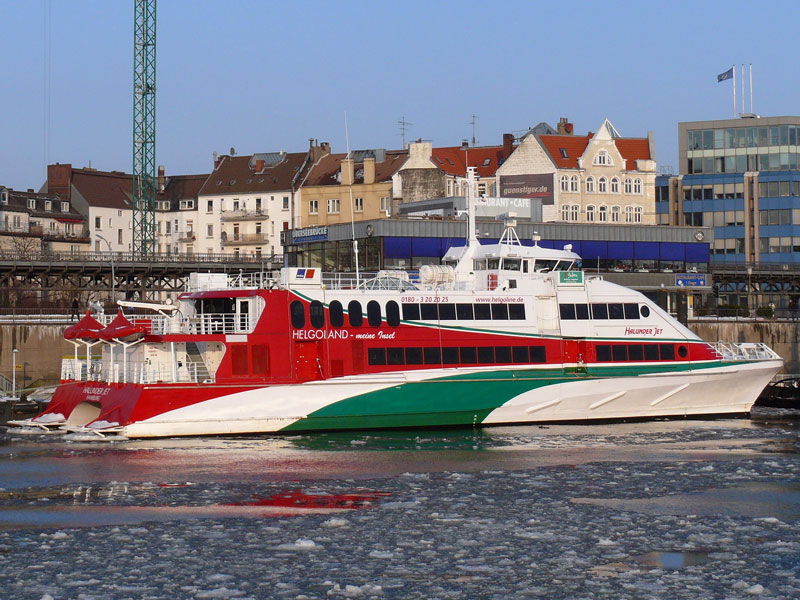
(392, 314)
(567, 311)
(599, 311)
(486, 355)
(582, 311)
(429, 312)
(667, 351)
(450, 356)
(645, 311)
(260, 356)
(631, 311)
(635, 352)
(394, 356)
(433, 356)
(354, 314)
(615, 311)
(464, 312)
(502, 354)
(520, 354)
(603, 352)
(619, 352)
(500, 312)
(373, 313)
(650, 352)
(469, 355)
(511, 264)
(336, 314)
(298, 314)
(413, 356)
(316, 313)
(483, 312)
(538, 354)
(411, 312)
(447, 312)
(376, 356)
(682, 351)
(516, 312)
(239, 359)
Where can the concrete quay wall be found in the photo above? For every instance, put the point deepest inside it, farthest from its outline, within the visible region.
(41, 346)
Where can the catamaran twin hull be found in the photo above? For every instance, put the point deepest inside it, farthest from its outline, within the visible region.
(426, 398)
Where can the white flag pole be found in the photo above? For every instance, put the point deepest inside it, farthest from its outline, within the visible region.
(743, 99)
(734, 91)
(751, 87)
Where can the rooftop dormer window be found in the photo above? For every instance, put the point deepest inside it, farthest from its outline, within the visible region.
(563, 153)
(32, 203)
(487, 162)
(4, 196)
(48, 205)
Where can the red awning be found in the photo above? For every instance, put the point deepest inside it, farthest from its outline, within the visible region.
(85, 329)
(122, 329)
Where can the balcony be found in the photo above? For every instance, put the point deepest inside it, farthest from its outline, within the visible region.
(186, 237)
(244, 214)
(244, 239)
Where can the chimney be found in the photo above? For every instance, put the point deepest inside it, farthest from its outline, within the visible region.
(464, 144)
(160, 179)
(317, 151)
(369, 170)
(508, 145)
(565, 127)
(259, 165)
(59, 180)
(347, 171)
(216, 160)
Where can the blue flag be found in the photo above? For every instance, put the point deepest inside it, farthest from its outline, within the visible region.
(726, 75)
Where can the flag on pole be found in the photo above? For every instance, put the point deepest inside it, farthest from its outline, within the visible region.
(726, 75)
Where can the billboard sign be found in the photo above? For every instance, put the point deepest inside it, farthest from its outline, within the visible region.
(528, 186)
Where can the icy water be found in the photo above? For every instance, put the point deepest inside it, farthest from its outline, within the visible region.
(672, 509)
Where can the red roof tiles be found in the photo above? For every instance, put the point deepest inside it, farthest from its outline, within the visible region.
(631, 149)
(454, 160)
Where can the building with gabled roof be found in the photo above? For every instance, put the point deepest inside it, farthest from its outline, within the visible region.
(442, 172)
(363, 178)
(248, 200)
(601, 177)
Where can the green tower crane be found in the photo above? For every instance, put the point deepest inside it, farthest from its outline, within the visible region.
(144, 128)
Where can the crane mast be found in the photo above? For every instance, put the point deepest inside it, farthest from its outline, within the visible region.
(144, 128)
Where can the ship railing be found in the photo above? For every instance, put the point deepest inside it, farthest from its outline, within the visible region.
(132, 372)
(216, 323)
(744, 351)
(153, 323)
(346, 281)
(260, 280)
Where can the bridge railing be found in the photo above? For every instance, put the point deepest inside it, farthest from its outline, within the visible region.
(132, 257)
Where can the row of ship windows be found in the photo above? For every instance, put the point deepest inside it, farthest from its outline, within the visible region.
(411, 312)
(455, 355)
(602, 311)
(636, 352)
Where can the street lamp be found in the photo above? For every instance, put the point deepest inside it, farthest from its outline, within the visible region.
(14, 374)
(113, 279)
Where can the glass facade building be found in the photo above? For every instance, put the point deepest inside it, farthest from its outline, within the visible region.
(741, 177)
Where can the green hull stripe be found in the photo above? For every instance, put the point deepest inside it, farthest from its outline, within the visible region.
(445, 401)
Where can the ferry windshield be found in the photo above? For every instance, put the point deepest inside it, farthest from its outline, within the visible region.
(511, 264)
(543, 265)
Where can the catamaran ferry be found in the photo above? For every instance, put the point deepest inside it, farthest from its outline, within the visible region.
(497, 334)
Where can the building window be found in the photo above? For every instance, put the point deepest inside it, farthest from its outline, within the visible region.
(603, 214)
(333, 206)
(628, 186)
(590, 213)
(602, 185)
(637, 186)
(185, 204)
(602, 158)
(385, 203)
(210, 231)
(573, 183)
(258, 228)
(565, 212)
(313, 207)
(4, 197)
(167, 225)
(210, 207)
(638, 211)
(615, 185)
(564, 183)
(615, 214)
(575, 212)
(119, 236)
(32, 203)
(629, 214)
(590, 185)
(359, 204)
(98, 223)
(48, 205)
(286, 203)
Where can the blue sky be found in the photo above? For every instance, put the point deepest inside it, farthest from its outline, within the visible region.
(266, 76)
